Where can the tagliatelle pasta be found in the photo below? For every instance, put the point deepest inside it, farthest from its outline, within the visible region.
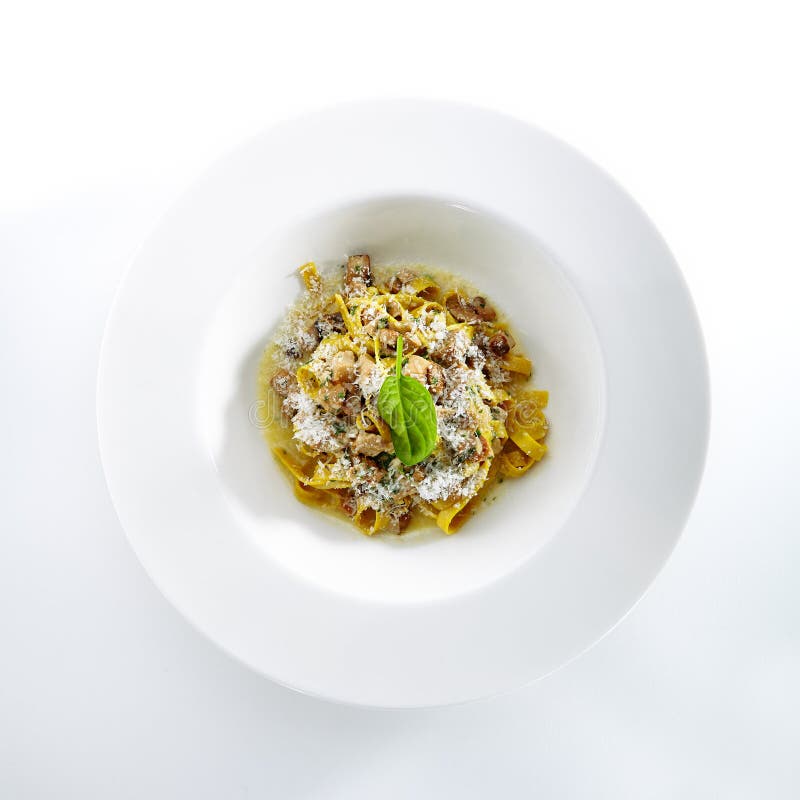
(322, 375)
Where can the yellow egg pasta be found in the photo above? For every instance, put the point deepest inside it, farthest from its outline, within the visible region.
(321, 377)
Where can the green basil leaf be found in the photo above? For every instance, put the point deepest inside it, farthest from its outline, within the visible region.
(407, 407)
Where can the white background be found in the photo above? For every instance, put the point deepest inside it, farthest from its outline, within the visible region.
(108, 109)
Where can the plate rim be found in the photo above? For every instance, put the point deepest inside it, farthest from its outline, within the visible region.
(423, 107)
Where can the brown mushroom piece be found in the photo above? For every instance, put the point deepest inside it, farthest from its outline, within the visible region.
(329, 324)
(370, 444)
(313, 339)
(338, 397)
(398, 281)
(343, 365)
(348, 503)
(403, 521)
(435, 379)
(447, 351)
(283, 383)
(460, 308)
(358, 275)
(482, 309)
(426, 372)
(388, 341)
(394, 308)
(352, 405)
(374, 472)
(500, 344)
(301, 344)
(417, 367)
(365, 368)
(475, 452)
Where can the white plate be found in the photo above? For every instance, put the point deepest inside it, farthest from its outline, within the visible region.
(542, 572)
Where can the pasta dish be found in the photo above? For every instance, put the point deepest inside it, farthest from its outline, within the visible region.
(397, 397)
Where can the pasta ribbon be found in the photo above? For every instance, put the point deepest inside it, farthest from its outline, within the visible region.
(323, 478)
(307, 379)
(369, 520)
(310, 277)
(515, 462)
(332, 438)
(527, 443)
(452, 517)
(519, 364)
(316, 498)
(291, 464)
(345, 312)
(539, 396)
(528, 420)
(424, 287)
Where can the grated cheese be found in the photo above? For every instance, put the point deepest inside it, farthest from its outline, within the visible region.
(464, 400)
(313, 426)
